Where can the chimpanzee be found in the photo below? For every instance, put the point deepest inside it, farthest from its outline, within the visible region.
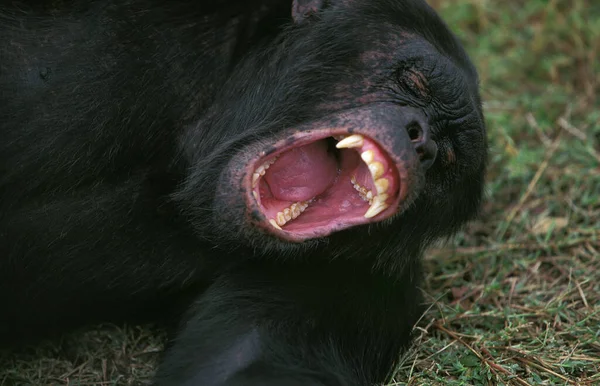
(267, 172)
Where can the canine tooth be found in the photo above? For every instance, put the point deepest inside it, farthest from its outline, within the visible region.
(382, 185)
(368, 156)
(376, 208)
(280, 219)
(376, 169)
(274, 224)
(355, 140)
(255, 177)
(255, 194)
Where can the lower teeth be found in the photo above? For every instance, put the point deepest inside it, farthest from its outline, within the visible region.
(289, 214)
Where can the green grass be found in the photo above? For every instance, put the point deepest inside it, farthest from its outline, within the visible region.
(516, 297)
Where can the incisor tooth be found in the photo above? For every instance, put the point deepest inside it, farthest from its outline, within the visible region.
(274, 224)
(376, 208)
(355, 140)
(376, 169)
(368, 156)
(382, 185)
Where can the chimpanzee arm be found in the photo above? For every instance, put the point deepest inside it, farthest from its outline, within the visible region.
(268, 325)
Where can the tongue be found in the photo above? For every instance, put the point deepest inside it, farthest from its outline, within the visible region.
(302, 173)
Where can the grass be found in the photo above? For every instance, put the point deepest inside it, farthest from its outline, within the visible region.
(516, 297)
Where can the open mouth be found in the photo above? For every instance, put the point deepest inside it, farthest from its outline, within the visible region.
(321, 184)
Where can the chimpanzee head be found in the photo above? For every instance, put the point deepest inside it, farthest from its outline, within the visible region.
(359, 125)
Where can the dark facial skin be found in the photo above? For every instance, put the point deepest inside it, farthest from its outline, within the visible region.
(128, 144)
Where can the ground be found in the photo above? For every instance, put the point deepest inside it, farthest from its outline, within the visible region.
(516, 296)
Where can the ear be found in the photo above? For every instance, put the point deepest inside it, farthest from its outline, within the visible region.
(303, 10)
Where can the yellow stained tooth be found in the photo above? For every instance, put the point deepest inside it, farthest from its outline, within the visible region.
(376, 169)
(355, 140)
(287, 213)
(255, 177)
(275, 224)
(382, 185)
(380, 198)
(281, 219)
(368, 156)
(375, 209)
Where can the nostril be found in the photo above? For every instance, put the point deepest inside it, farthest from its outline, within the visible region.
(415, 132)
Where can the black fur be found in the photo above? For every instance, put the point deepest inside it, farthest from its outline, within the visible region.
(121, 123)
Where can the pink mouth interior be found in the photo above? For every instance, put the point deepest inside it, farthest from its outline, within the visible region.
(321, 175)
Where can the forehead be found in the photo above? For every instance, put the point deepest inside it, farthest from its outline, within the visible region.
(397, 29)
(386, 45)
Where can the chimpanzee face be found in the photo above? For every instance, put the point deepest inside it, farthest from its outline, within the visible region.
(352, 123)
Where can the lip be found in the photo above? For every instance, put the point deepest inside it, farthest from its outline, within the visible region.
(398, 165)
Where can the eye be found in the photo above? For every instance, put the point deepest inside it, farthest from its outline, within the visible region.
(412, 80)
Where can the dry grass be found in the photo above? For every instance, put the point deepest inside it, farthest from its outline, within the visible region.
(516, 298)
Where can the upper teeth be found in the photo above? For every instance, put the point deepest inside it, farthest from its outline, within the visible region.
(382, 185)
(376, 168)
(368, 156)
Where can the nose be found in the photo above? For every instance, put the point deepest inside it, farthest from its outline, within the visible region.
(424, 145)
